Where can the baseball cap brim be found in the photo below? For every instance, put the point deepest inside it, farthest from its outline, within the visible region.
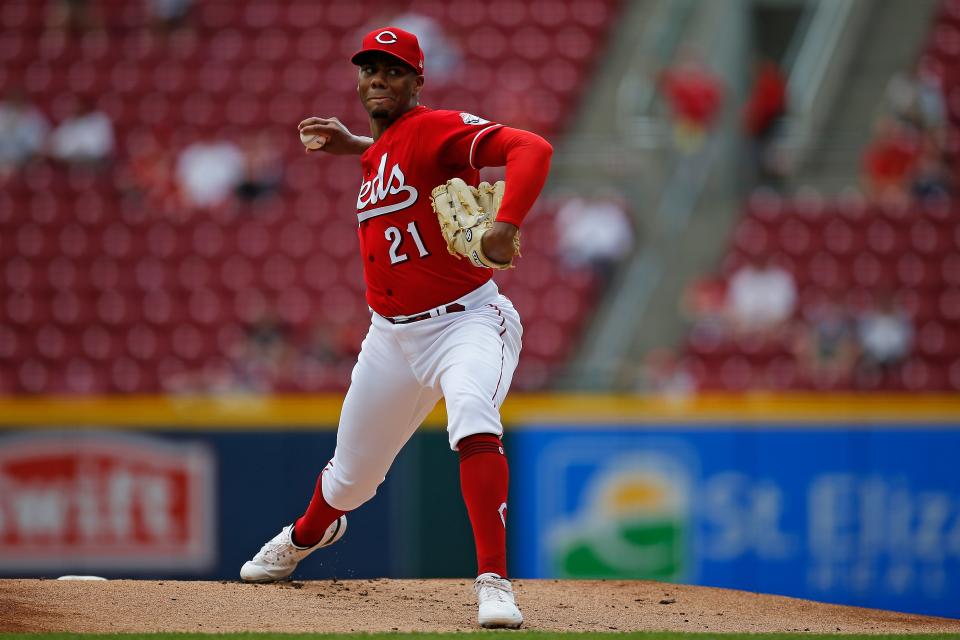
(360, 55)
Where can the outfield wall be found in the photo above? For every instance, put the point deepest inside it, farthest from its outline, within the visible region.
(846, 499)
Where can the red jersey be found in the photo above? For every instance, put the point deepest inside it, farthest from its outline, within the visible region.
(406, 265)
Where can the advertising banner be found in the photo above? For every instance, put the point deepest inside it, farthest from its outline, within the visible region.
(198, 504)
(107, 500)
(840, 514)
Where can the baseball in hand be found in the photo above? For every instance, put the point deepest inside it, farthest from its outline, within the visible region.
(313, 141)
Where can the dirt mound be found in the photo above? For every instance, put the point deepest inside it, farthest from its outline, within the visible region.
(422, 605)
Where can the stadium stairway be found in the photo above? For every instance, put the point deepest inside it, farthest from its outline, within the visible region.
(893, 37)
(675, 240)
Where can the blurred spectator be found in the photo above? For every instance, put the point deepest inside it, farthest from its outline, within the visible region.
(322, 348)
(209, 170)
(901, 96)
(76, 16)
(332, 343)
(262, 169)
(827, 348)
(890, 159)
(268, 338)
(885, 333)
(931, 179)
(664, 373)
(439, 49)
(86, 138)
(328, 356)
(168, 15)
(347, 338)
(695, 95)
(314, 368)
(766, 106)
(149, 173)
(595, 233)
(704, 297)
(218, 377)
(703, 305)
(761, 296)
(917, 100)
(262, 360)
(931, 105)
(22, 131)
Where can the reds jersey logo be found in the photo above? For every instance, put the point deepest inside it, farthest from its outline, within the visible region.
(378, 188)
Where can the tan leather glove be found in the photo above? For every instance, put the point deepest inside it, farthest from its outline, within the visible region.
(466, 213)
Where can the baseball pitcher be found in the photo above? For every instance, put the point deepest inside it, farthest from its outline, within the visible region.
(430, 236)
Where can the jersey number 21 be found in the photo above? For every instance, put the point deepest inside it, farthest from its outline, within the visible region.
(395, 236)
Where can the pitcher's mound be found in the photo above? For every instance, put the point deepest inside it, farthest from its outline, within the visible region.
(422, 605)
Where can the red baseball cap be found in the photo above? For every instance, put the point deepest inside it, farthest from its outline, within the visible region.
(396, 42)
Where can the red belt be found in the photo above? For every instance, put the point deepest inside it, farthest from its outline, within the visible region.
(450, 308)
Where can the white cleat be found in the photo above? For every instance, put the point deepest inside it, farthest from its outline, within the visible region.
(498, 609)
(279, 557)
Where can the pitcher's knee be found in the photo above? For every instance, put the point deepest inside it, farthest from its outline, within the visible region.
(471, 415)
(346, 494)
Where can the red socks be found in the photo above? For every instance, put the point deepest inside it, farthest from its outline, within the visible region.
(484, 476)
(310, 527)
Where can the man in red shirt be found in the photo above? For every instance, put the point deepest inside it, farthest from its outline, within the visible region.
(439, 326)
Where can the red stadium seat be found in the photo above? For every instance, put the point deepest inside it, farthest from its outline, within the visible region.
(751, 238)
(295, 307)
(914, 271)
(766, 205)
(141, 342)
(840, 239)
(946, 43)
(549, 14)
(794, 237)
(736, 374)
(870, 270)
(781, 374)
(883, 239)
(32, 376)
(927, 239)
(531, 43)
(347, 16)
(950, 269)
(953, 376)
(949, 304)
(13, 347)
(825, 272)
(573, 43)
(919, 375)
(207, 308)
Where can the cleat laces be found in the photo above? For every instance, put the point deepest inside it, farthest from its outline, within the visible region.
(496, 589)
(275, 551)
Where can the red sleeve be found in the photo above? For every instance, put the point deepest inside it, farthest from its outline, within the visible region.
(453, 136)
(527, 159)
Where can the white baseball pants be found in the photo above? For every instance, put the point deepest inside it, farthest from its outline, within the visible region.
(403, 370)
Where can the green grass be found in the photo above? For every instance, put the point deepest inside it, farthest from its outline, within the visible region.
(531, 635)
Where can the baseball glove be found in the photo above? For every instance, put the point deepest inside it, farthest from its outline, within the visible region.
(465, 214)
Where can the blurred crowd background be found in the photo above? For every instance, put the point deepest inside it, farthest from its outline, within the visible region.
(162, 229)
(746, 195)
